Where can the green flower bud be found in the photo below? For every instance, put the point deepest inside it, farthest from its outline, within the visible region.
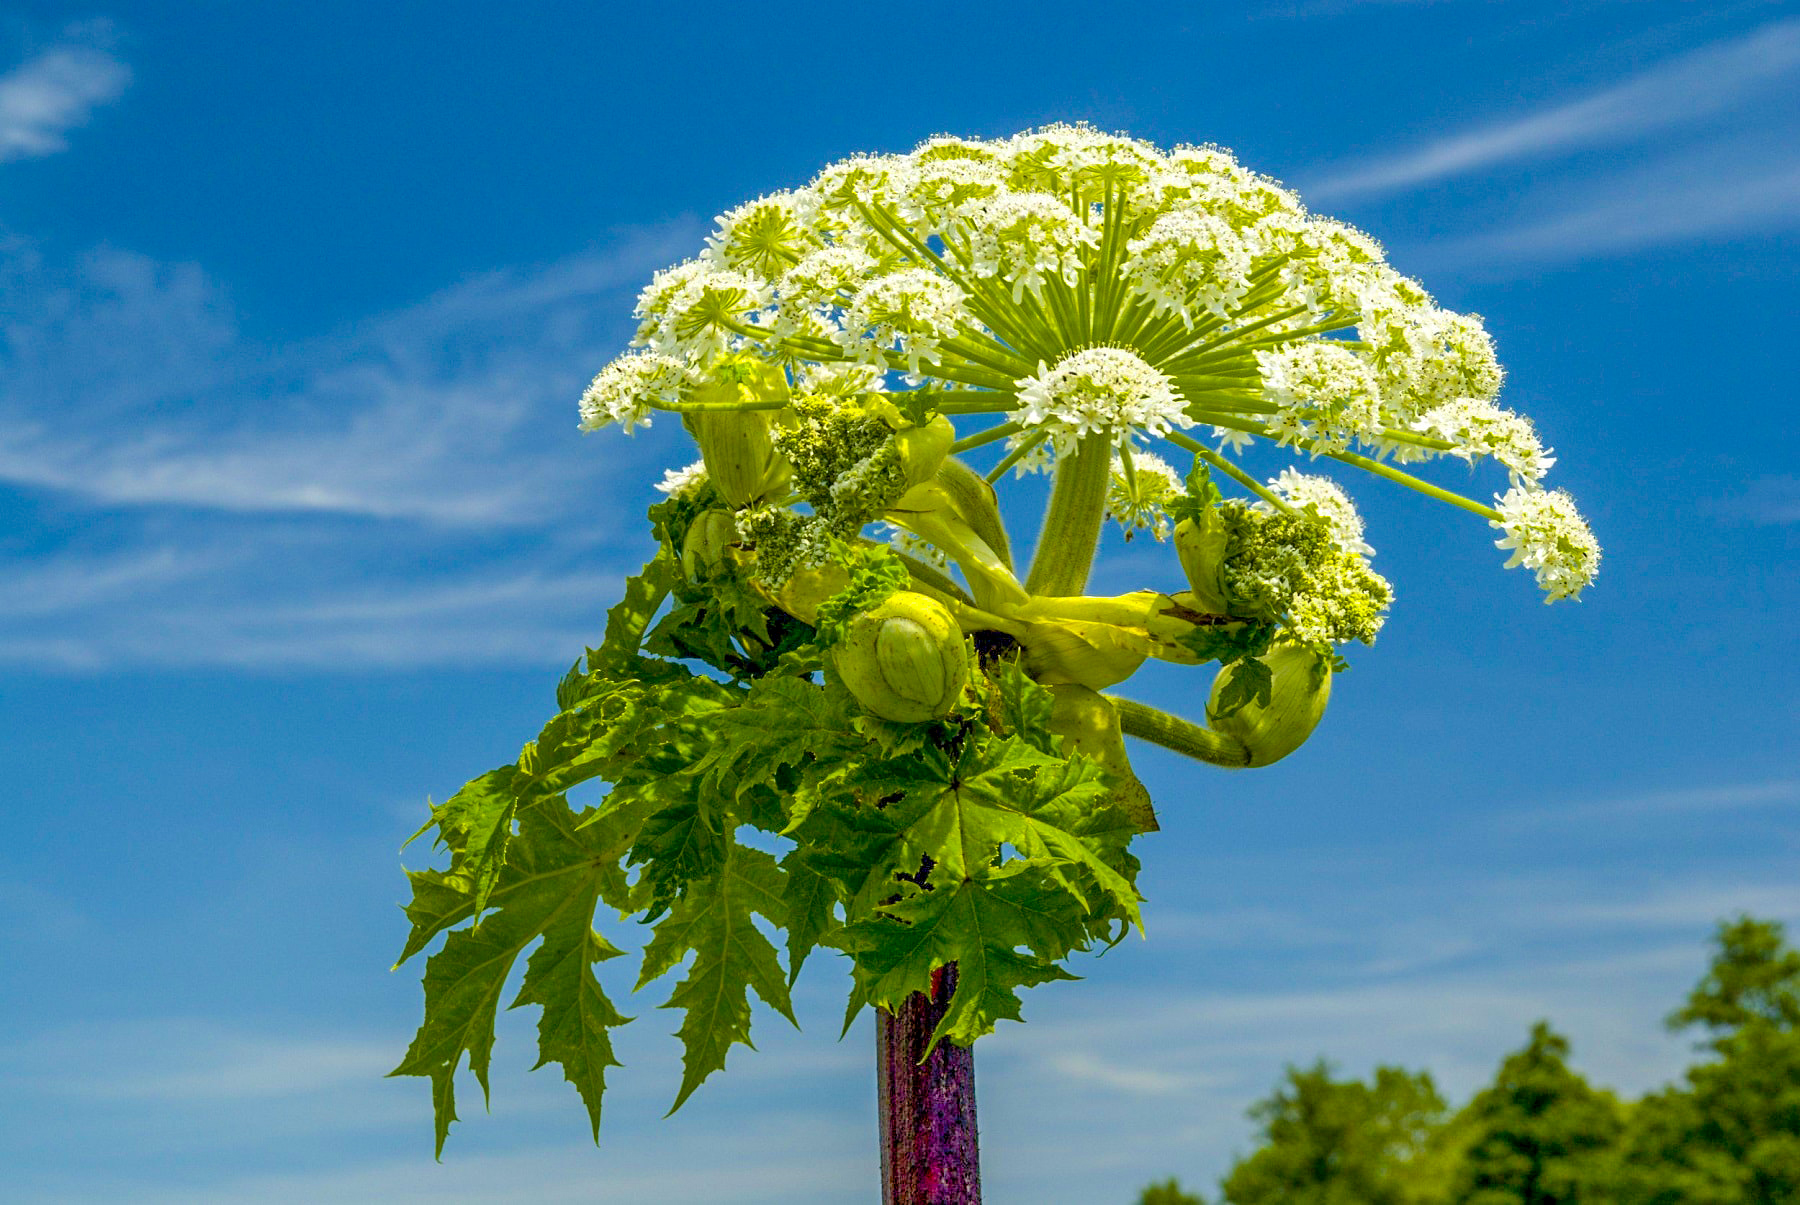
(1301, 688)
(741, 459)
(905, 659)
(1091, 727)
(1202, 545)
(703, 547)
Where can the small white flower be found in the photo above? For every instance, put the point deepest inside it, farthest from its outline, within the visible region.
(1327, 394)
(678, 482)
(1232, 439)
(908, 544)
(1188, 262)
(1548, 535)
(762, 237)
(626, 390)
(1480, 428)
(1039, 458)
(913, 311)
(1139, 493)
(1109, 390)
(1325, 498)
(1027, 238)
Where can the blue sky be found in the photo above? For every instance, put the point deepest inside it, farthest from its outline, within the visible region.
(296, 530)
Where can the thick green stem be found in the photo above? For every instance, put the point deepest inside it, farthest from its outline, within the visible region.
(1183, 736)
(1065, 549)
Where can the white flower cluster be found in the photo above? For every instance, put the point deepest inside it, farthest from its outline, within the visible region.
(1150, 289)
(677, 483)
(1138, 496)
(697, 312)
(1326, 499)
(1480, 428)
(1108, 391)
(1548, 536)
(627, 389)
(1325, 395)
(1028, 238)
(1189, 259)
(911, 312)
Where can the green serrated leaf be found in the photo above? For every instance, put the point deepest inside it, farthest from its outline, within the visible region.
(732, 959)
(575, 1027)
(1226, 643)
(1025, 706)
(976, 928)
(555, 873)
(1202, 495)
(676, 846)
(781, 724)
(876, 574)
(810, 903)
(475, 824)
(629, 618)
(966, 861)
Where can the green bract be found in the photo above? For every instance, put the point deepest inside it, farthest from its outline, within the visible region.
(904, 659)
(737, 444)
(835, 645)
(703, 547)
(1298, 690)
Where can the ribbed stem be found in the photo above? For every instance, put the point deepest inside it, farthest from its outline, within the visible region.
(1065, 549)
(929, 1149)
(1183, 736)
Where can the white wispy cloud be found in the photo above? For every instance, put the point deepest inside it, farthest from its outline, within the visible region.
(1721, 191)
(1728, 797)
(406, 490)
(1687, 91)
(1769, 500)
(441, 411)
(293, 605)
(44, 98)
(1085, 1067)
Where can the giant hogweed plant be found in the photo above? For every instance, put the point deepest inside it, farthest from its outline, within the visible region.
(834, 644)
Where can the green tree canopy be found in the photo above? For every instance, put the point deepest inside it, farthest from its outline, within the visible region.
(1731, 1135)
(1169, 1192)
(1539, 1133)
(1341, 1142)
(1754, 979)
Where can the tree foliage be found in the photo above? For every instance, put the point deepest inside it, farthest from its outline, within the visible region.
(1539, 1134)
(1328, 1141)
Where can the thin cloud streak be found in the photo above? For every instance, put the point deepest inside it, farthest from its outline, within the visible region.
(43, 99)
(1731, 797)
(433, 413)
(1681, 199)
(226, 618)
(1685, 91)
